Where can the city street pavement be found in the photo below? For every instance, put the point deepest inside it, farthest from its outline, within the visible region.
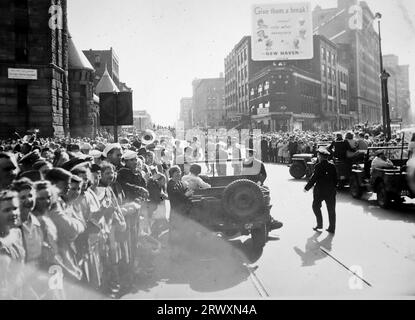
(377, 245)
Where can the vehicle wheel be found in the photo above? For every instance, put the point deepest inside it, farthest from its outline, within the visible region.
(243, 199)
(355, 189)
(297, 171)
(384, 199)
(259, 236)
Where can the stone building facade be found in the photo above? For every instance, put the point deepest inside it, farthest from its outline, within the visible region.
(33, 67)
(84, 113)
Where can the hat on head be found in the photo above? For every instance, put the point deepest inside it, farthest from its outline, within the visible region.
(95, 154)
(32, 175)
(129, 155)
(86, 146)
(69, 165)
(323, 151)
(379, 152)
(30, 158)
(39, 164)
(111, 147)
(58, 174)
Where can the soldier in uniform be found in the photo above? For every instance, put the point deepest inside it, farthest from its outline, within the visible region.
(325, 181)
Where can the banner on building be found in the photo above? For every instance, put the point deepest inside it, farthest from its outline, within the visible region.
(282, 31)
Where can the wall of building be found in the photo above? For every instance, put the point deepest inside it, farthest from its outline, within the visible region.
(30, 43)
(101, 59)
(208, 102)
(359, 53)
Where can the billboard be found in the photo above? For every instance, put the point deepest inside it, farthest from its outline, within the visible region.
(282, 31)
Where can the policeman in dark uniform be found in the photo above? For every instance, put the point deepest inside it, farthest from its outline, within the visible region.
(325, 181)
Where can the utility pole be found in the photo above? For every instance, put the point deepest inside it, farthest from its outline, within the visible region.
(384, 88)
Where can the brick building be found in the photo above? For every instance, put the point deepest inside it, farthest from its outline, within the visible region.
(303, 94)
(358, 52)
(239, 68)
(208, 102)
(103, 60)
(398, 89)
(33, 67)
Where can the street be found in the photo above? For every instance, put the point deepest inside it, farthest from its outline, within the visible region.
(372, 254)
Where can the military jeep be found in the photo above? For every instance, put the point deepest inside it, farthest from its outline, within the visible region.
(390, 185)
(233, 205)
(302, 166)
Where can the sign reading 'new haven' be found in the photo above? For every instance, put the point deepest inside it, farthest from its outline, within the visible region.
(22, 74)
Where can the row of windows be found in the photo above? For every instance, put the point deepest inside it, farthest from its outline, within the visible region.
(327, 55)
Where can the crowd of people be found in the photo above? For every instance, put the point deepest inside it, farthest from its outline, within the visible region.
(96, 209)
(279, 147)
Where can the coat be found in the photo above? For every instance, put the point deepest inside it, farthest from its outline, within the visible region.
(324, 179)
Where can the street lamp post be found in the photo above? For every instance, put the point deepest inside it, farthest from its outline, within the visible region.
(384, 87)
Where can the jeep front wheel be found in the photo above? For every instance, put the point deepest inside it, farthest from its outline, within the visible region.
(243, 199)
(297, 170)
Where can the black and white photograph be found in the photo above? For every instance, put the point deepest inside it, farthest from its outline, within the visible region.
(207, 150)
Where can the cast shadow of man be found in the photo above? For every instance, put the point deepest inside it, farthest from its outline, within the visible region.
(313, 252)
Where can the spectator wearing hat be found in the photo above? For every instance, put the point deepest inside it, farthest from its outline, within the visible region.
(130, 177)
(113, 154)
(8, 170)
(324, 181)
(69, 223)
(27, 162)
(96, 156)
(381, 161)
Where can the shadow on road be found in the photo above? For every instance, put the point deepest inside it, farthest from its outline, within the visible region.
(207, 263)
(404, 212)
(312, 252)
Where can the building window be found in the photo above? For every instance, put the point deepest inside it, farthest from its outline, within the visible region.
(252, 92)
(260, 89)
(266, 85)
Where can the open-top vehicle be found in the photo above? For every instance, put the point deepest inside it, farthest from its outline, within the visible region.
(233, 205)
(390, 185)
(303, 164)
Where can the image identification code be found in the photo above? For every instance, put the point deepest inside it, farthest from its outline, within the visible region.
(211, 309)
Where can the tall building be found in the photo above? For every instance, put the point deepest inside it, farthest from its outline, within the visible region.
(33, 67)
(239, 68)
(358, 52)
(186, 112)
(398, 89)
(142, 120)
(208, 102)
(302, 94)
(103, 60)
